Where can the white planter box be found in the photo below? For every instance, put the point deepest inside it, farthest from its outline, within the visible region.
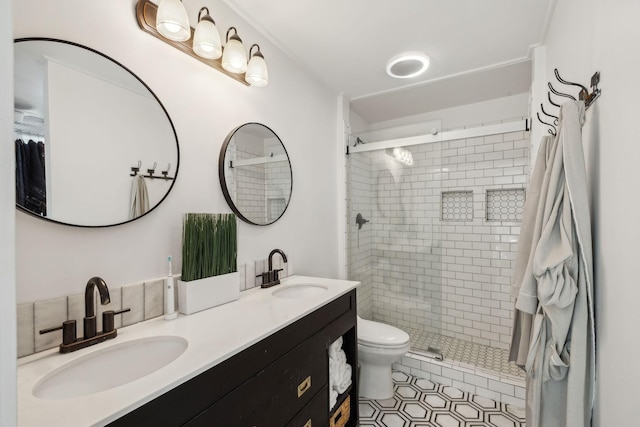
(198, 295)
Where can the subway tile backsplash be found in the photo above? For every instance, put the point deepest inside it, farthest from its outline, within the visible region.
(145, 299)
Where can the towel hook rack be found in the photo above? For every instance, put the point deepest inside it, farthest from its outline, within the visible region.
(552, 131)
(555, 118)
(135, 169)
(551, 100)
(555, 92)
(152, 170)
(584, 93)
(166, 172)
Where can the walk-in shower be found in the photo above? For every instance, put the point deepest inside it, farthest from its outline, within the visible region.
(436, 256)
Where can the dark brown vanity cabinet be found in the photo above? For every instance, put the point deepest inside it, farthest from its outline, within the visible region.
(281, 381)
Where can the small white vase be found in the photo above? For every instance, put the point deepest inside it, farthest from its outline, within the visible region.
(198, 295)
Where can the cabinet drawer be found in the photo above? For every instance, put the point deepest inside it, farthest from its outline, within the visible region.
(315, 414)
(277, 393)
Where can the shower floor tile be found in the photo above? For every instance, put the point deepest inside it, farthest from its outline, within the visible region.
(465, 353)
(422, 403)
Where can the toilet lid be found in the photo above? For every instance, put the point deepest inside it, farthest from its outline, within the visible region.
(380, 335)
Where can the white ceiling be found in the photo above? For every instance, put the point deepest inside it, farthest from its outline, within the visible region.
(479, 49)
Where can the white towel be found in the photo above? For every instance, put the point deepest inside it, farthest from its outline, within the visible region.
(333, 399)
(332, 372)
(139, 197)
(345, 382)
(335, 347)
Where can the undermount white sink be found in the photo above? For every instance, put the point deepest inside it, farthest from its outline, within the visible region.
(110, 367)
(299, 290)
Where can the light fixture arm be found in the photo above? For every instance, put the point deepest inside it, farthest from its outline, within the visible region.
(206, 17)
(258, 53)
(234, 36)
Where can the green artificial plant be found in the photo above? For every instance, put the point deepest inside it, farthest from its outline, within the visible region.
(209, 245)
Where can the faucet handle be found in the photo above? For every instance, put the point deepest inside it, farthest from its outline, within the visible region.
(265, 277)
(108, 323)
(68, 331)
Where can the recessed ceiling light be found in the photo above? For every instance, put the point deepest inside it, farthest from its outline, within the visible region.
(407, 65)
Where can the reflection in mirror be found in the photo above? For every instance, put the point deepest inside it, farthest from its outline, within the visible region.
(255, 174)
(82, 123)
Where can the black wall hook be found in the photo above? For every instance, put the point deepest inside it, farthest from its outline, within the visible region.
(135, 169)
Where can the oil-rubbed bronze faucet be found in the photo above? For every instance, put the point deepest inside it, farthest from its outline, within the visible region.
(270, 278)
(69, 340)
(89, 305)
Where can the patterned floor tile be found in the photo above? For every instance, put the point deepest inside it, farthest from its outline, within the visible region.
(421, 403)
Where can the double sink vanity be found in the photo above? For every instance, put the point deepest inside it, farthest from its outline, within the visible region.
(259, 361)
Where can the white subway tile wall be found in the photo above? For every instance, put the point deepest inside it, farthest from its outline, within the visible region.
(266, 186)
(421, 271)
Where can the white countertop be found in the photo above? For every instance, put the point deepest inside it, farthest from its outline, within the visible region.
(214, 335)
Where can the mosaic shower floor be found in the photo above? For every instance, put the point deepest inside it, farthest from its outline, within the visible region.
(465, 353)
(421, 403)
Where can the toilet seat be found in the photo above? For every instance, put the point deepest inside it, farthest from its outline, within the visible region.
(375, 334)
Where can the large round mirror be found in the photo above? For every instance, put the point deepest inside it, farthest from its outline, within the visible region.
(94, 145)
(255, 174)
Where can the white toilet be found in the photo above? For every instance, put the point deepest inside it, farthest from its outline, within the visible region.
(379, 346)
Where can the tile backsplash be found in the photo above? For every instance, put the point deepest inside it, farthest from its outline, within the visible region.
(145, 299)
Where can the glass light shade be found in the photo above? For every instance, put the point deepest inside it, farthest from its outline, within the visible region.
(172, 20)
(234, 58)
(257, 74)
(206, 40)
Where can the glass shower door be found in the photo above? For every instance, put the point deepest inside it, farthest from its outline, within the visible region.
(394, 245)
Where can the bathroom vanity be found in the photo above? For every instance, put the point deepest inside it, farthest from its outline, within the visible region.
(258, 361)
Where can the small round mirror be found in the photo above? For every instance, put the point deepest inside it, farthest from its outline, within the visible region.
(255, 174)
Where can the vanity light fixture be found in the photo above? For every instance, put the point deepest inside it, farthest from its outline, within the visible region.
(234, 58)
(206, 39)
(407, 65)
(205, 44)
(257, 74)
(172, 20)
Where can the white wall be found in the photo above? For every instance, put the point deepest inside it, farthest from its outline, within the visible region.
(471, 115)
(7, 220)
(204, 105)
(585, 36)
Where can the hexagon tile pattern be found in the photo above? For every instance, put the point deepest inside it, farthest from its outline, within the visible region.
(421, 403)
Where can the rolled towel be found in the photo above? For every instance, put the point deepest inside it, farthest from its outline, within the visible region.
(342, 386)
(333, 399)
(336, 376)
(333, 371)
(342, 373)
(335, 347)
(341, 357)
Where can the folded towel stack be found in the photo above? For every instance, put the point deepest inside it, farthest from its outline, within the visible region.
(339, 372)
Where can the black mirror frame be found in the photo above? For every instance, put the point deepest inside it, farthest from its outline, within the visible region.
(223, 181)
(175, 135)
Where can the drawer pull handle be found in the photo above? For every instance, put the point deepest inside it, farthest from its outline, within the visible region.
(304, 386)
(307, 424)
